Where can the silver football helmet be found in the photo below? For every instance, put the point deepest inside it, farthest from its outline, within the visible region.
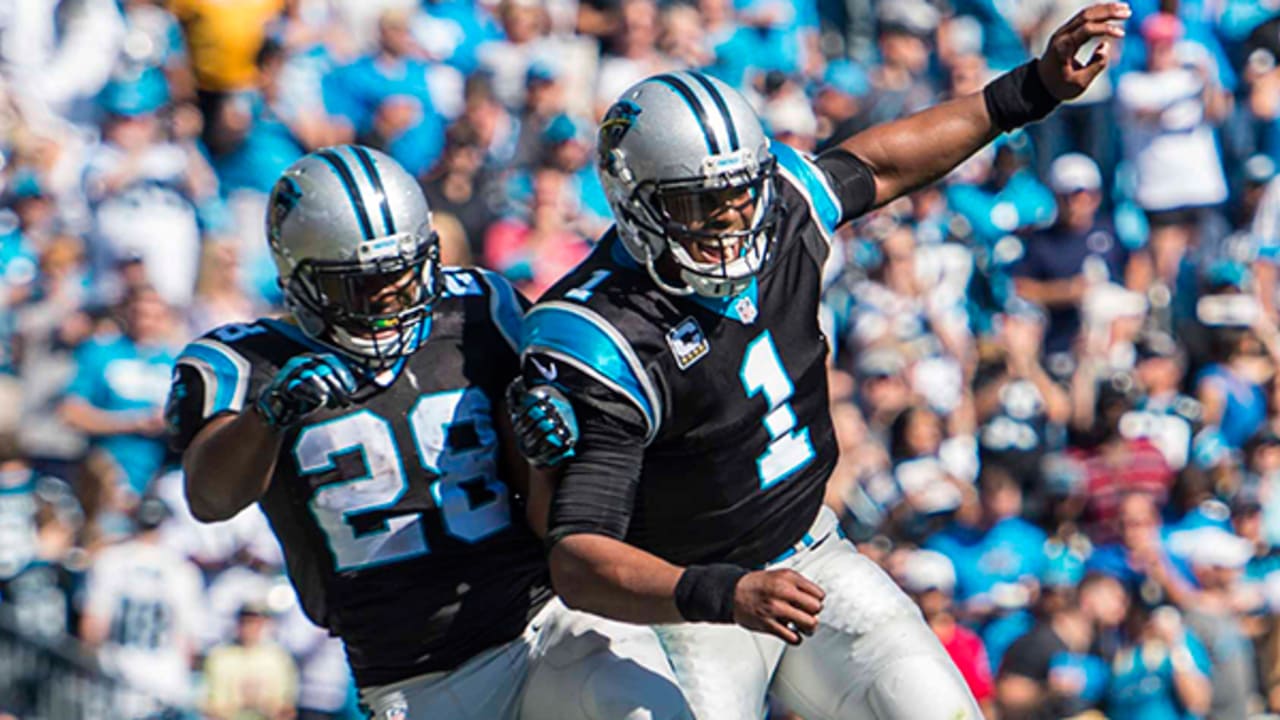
(359, 263)
(674, 151)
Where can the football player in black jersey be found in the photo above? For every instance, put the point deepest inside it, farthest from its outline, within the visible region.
(689, 347)
(367, 426)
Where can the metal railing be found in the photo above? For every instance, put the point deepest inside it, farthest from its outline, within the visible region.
(55, 679)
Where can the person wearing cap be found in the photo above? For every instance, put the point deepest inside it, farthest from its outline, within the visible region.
(251, 675)
(1218, 558)
(1167, 113)
(544, 100)
(839, 102)
(142, 606)
(929, 578)
(1060, 263)
(790, 120)
(143, 189)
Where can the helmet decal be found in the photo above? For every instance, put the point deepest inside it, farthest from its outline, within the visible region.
(615, 125)
(284, 198)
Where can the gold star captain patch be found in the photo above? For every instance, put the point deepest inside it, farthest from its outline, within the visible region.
(687, 342)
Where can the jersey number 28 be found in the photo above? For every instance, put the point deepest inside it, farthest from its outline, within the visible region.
(433, 422)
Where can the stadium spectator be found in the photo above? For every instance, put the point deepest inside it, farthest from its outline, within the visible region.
(386, 97)
(252, 676)
(117, 394)
(1061, 262)
(223, 39)
(141, 612)
(930, 580)
(1161, 670)
(1167, 113)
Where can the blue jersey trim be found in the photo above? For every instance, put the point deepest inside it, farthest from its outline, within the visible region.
(224, 372)
(582, 338)
(808, 179)
(504, 308)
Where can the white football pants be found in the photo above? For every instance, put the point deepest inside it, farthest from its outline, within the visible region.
(871, 658)
(568, 665)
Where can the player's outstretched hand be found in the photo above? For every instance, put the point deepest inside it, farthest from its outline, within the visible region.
(777, 602)
(304, 385)
(544, 422)
(1064, 75)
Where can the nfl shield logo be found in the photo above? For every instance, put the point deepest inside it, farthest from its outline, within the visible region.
(687, 342)
(746, 309)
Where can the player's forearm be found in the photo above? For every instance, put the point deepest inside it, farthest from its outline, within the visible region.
(229, 466)
(607, 577)
(914, 151)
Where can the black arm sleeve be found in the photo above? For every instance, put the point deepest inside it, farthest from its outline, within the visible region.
(598, 487)
(851, 180)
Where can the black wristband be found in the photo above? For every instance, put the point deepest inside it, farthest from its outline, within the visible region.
(704, 593)
(1018, 97)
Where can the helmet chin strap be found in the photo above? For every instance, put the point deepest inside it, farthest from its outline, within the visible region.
(650, 264)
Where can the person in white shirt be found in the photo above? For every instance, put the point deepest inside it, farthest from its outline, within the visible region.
(141, 610)
(1167, 113)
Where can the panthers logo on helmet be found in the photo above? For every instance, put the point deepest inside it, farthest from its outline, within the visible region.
(284, 198)
(621, 116)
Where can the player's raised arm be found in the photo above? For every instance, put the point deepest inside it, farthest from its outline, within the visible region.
(908, 153)
(228, 456)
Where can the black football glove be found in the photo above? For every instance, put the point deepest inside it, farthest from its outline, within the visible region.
(304, 385)
(545, 425)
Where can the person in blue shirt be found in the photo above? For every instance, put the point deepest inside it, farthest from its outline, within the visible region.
(269, 144)
(788, 34)
(998, 557)
(1142, 560)
(1162, 673)
(1234, 403)
(735, 48)
(117, 394)
(386, 98)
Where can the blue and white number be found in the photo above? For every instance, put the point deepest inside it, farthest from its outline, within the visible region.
(790, 449)
(431, 419)
(385, 482)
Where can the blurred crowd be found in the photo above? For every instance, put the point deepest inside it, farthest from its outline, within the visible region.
(1054, 374)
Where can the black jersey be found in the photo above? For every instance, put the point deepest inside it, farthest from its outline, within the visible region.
(399, 534)
(722, 404)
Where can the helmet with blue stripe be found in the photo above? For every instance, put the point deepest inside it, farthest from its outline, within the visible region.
(686, 166)
(355, 253)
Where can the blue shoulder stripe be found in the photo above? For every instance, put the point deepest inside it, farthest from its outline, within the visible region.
(809, 180)
(580, 337)
(504, 308)
(224, 371)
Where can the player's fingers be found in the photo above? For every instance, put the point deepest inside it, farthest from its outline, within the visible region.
(1106, 11)
(805, 585)
(773, 627)
(1090, 30)
(796, 618)
(804, 601)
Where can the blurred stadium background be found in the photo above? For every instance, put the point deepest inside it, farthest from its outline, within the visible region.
(1053, 378)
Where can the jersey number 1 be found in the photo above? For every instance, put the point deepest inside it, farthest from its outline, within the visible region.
(433, 422)
(790, 449)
